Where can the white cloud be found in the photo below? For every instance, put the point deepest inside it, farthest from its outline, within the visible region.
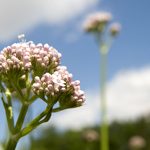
(17, 16)
(129, 94)
(128, 97)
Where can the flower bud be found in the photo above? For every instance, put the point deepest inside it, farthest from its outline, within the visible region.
(115, 29)
(137, 142)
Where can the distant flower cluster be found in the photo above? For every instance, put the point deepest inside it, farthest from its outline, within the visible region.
(115, 29)
(137, 142)
(97, 22)
(42, 64)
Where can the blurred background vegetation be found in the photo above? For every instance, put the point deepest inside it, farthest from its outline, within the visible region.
(126, 135)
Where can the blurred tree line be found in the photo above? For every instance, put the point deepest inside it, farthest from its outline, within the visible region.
(127, 135)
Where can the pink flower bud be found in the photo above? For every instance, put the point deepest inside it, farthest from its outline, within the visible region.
(115, 29)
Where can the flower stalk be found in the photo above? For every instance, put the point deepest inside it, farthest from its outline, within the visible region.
(12, 143)
(104, 140)
(96, 24)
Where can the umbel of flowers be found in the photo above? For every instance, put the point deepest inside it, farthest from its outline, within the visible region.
(99, 25)
(98, 22)
(32, 72)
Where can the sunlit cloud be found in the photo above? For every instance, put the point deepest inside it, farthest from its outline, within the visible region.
(18, 16)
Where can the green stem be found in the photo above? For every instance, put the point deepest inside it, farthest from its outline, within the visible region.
(21, 117)
(9, 112)
(104, 123)
(32, 99)
(12, 143)
(57, 109)
(41, 118)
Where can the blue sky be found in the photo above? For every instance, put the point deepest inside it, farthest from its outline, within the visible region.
(80, 54)
(129, 54)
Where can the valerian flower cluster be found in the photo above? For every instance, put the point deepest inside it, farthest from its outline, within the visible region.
(41, 64)
(59, 83)
(31, 72)
(97, 22)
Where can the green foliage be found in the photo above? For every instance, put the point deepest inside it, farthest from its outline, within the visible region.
(69, 140)
(120, 134)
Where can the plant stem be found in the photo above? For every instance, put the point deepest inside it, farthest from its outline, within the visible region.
(12, 143)
(104, 140)
(21, 117)
(57, 109)
(9, 116)
(41, 118)
(8, 110)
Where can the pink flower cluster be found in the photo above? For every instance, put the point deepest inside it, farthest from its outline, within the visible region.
(41, 64)
(59, 83)
(27, 56)
(96, 21)
(115, 28)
